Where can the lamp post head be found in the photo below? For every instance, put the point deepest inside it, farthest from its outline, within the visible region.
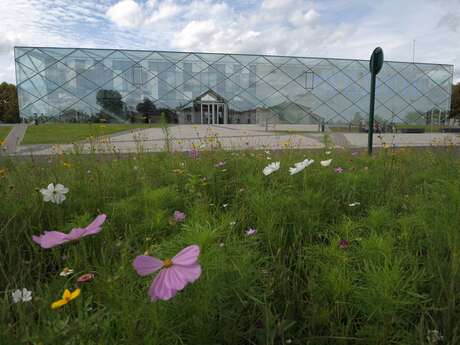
(376, 61)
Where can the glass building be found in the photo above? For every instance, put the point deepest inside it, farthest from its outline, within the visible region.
(112, 85)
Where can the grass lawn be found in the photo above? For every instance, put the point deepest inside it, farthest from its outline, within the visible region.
(281, 132)
(355, 129)
(4, 130)
(428, 128)
(385, 270)
(61, 133)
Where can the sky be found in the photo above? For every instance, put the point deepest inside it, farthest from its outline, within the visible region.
(320, 28)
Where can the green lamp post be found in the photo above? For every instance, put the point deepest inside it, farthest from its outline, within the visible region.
(375, 65)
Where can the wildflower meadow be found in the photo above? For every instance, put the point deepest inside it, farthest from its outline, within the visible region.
(252, 247)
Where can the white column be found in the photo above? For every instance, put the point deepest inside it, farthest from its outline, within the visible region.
(213, 114)
(201, 104)
(217, 113)
(225, 114)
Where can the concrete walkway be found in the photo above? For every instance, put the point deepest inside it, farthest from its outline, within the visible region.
(14, 138)
(183, 138)
(358, 140)
(231, 137)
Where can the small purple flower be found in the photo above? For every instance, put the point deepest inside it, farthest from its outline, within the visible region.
(220, 164)
(259, 323)
(179, 216)
(343, 244)
(251, 232)
(194, 154)
(339, 170)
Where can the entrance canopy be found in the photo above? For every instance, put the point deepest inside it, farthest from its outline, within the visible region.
(213, 108)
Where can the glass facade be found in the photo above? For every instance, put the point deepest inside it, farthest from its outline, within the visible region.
(101, 85)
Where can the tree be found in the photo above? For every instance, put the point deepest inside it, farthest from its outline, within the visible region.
(9, 109)
(357, 119)
(455, 103)
(110, 101)
(415, 118)
(169, 115)
(147, 108)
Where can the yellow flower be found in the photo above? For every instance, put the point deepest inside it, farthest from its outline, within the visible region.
(67, 165)
(2, 172)
(67, 296)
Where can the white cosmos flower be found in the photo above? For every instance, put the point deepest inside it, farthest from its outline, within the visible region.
(328, 152)
(54, 194)
(326, 163)
(271, 168)
(66, 272)
(298, 167)
(308, 162)
(23, 295)
(353, 204)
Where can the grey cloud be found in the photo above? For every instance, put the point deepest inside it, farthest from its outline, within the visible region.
(6, 45)
(450, 21)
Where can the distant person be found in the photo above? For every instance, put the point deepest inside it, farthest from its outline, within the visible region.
(393, 127)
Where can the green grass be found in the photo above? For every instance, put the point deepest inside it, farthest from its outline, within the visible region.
(398, 280)
(288, 132)
(428, 128)
(4, 130)
(71, 132)
(355, 129)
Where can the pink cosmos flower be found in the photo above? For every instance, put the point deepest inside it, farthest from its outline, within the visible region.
(179, 216)
(220, 164)
(50, 239)
(194, 154)
(339, 170)
(251, 232)
(175, 273)
(85, 278)
(343, 244)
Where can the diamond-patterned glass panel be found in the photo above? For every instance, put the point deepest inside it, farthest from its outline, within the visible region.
(66, 84)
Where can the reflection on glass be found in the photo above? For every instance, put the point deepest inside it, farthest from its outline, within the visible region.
(81, 85)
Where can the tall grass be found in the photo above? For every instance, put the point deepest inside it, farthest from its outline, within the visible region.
(291, 283)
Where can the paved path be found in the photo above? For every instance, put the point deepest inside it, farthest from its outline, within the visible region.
(235, 137)
(185, 138)
(13, 138)
(357, 140)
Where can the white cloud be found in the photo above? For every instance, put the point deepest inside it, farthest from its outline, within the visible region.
(165, 11)
(333, 28)
(195, 34)
(307, 18)
(126, 14)
(277, 4)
